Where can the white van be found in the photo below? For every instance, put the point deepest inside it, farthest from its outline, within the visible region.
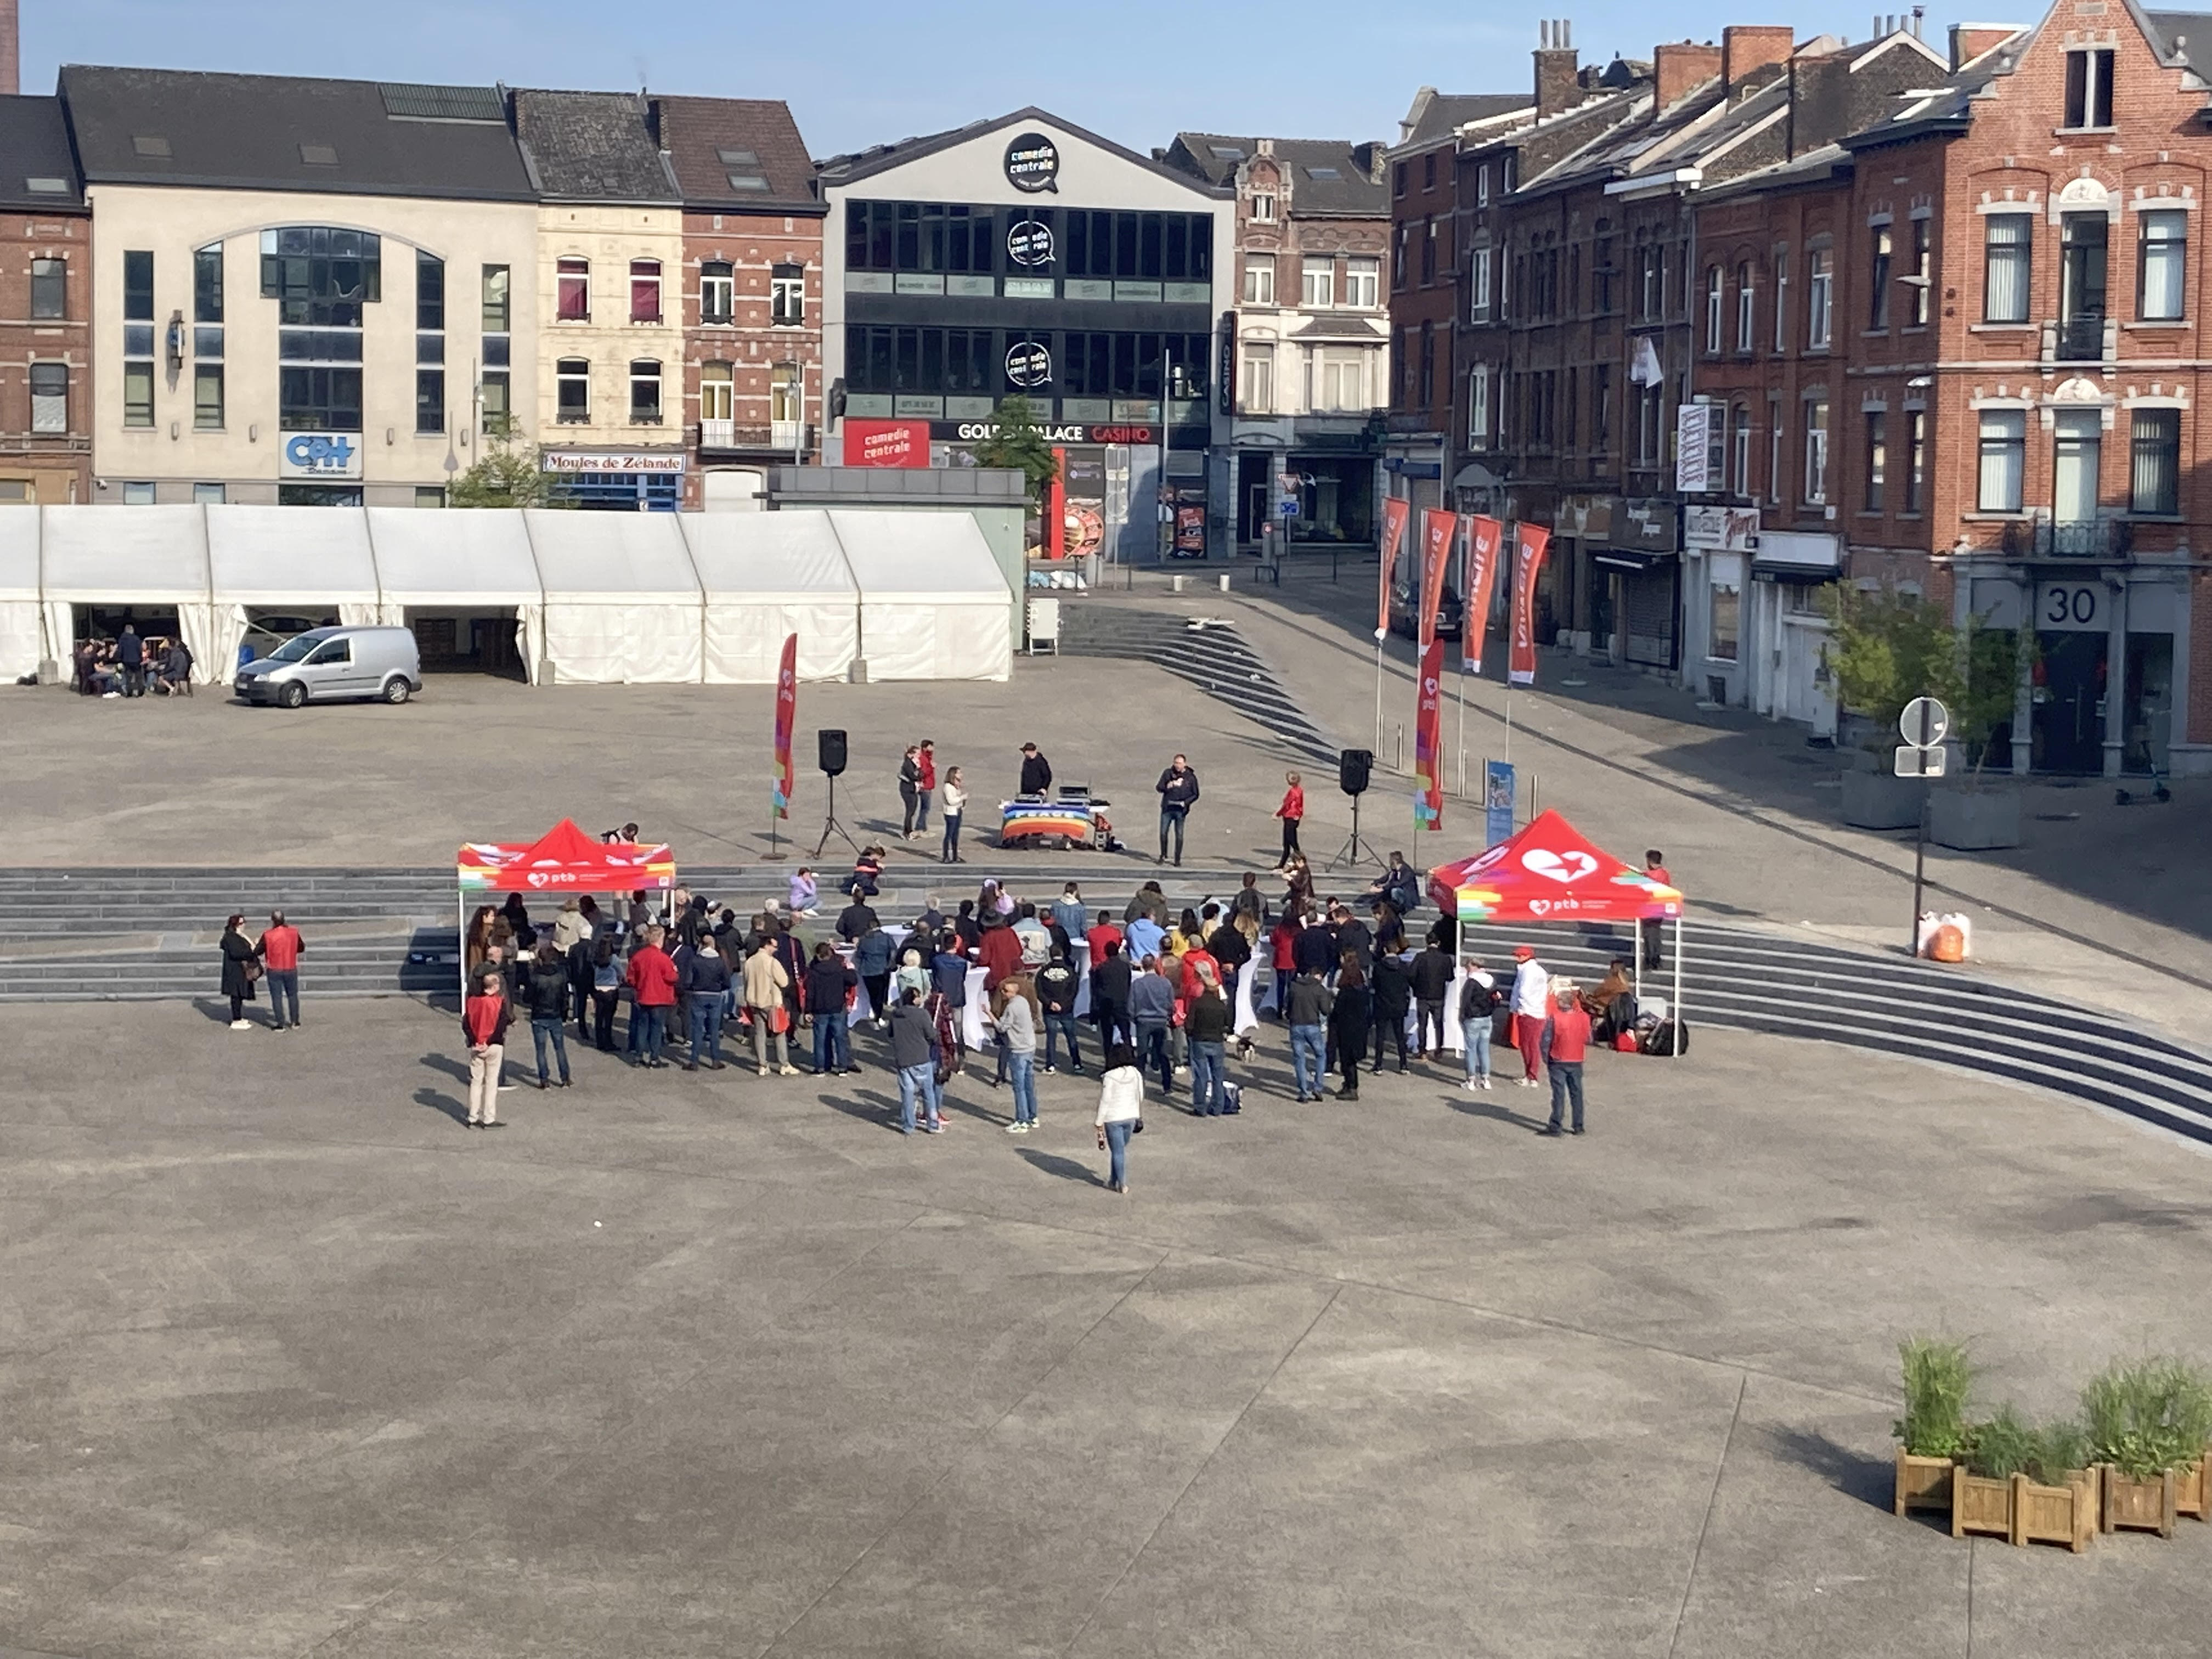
(330, 664)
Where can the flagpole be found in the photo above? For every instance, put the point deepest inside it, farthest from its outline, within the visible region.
(1380, 635)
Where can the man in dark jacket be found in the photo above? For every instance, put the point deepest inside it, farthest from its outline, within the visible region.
(1109, 996)
(1178, 793)
(873, 957)
(1432, 978)
(548, 1008)
(1056, 986)
(1393, 986)
(1313, 950)
(855, 919)
(1306, 1009)
(914, 1053)
(704, 980)
(131, 657)
(1205, 1025)
(1037, 771)
(829, 982)
(1354, 938)
(1228, 947)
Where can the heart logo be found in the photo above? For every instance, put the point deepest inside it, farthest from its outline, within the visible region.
(537, 877)
(1562, 867)
(1538, 907)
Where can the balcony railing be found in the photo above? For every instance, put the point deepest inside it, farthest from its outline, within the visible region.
(2083, 538)
(2078, 339)
(777, 437)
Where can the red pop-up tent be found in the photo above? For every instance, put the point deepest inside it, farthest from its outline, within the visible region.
(1548, 873)
(564, 860)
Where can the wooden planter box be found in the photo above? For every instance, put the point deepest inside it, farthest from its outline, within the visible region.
(2192, 1489)
(1979, 1504)
(2056, 1515)
(1922, 1483)
(2140, 1505)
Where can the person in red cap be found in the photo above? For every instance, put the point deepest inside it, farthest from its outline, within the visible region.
(1532, 990)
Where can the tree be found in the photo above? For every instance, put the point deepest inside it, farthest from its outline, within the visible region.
(507, 472)
(1017, 443)
(1888, 648)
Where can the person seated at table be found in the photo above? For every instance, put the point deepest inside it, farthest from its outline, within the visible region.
(1611, 1002)
(867, 879)
(174, 676)
(1399, 885)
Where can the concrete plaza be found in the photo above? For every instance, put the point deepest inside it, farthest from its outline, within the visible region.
(714, 1365)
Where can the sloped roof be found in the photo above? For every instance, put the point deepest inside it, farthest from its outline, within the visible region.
(41, 173)
(1439, 114)
(141, 126)
(718, 146)
(593, 147)
(841, 170)
(1329, 176)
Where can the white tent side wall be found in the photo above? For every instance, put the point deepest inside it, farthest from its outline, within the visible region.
(933, 604)
(623, 601)
(766, 576)
(115, 556)
(22, 633)
(458, 559)
(287, 558)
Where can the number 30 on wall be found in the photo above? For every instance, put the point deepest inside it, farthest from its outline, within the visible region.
(2062, 605)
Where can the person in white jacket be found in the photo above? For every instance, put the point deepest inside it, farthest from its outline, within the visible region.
(1120, 1109)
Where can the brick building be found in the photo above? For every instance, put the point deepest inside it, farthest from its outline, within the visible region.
(752, 291)
(1311, 345)
(46, 310)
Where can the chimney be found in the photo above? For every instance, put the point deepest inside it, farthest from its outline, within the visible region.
(11, 53)
(1678, 70)
(1821, 109)
(1748, 48)
(1558, 86)
(1970, 40)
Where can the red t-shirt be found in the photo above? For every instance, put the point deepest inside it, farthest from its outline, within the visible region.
(1658, 873)
(280, 948)
(1570, 1035)
(482, 1021)
(1098, 939)
(927, 761)
(1190, 987)
(653, 976)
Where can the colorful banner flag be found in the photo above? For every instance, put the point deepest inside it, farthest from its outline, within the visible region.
(1496, 801)
(787, 714)
(1437, 529)
(1428, 741)
(1395, 516)
(1530, 541)
(1483, 536)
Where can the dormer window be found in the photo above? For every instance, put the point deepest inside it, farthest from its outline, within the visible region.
(2089, 88)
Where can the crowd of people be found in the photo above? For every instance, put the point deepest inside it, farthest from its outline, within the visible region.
(128, 666)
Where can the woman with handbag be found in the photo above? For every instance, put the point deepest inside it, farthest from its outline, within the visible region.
(765, 981)
(241, 966)
(1121, 1113)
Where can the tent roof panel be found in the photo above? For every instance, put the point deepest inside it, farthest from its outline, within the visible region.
(452, 557)
(616, 558)
(143, 553)
(768, 556)
(1548, 871)
(19, 552)
(939, 556)
(282, 555)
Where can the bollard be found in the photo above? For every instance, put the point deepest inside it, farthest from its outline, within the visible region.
(1224, 581)
(1179, 582)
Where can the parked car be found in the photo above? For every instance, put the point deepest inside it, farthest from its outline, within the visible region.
(331, 665)
(1403, 605)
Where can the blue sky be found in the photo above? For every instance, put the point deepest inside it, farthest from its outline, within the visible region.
(864, 71)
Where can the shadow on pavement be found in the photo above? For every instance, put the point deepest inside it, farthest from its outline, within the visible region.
(1066, 1168)
(457, 1070)
(1869, 1479)
(439, 1102)
(1496, 1113)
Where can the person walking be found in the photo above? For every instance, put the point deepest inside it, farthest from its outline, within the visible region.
(1014, 1011)
(1392, 987)
(925, 785)
(1651, 931)
(1037, 771)
(241, 967)
(606, 992)
(829, 982)
(1121, 1112)
(1570, 1041)
(549, 1009)
(652, 978)
(1432, 977)
(1057, 984)
(956, 808)
(765, 984)
(1178, 793)
(1532, 990)
(279, 950)
(1478, 997)
(1111, 984)
(1151, 1006)
(706, 988)
(485, 1019)
(131, 657)
(1293, 812)
(910, 786)
(1348, 1023)
(1206, 1026)
(914, 1045)
(1307, 1007)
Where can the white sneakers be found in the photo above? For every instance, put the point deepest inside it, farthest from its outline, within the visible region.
(236, 1025)
(1476, 1083)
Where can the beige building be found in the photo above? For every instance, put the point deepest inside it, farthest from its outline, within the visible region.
(610, 284)
(307, 292)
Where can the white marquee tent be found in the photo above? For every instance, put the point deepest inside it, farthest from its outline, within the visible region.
(768, 575)
(623, 604)
(150, 557)
(465, 560)
(933, 599)
(21, 642)
(285, 558)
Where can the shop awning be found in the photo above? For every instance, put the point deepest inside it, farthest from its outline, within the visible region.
(1630, 559)
(1803, 575)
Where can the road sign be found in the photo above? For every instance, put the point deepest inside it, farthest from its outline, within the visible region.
(1913, 761)
(1923, 725)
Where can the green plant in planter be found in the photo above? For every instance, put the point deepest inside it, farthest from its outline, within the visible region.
(2147, 1416)
(2003, 1446)
(1938, 1378)
(1887, 647)
(2060, 1448)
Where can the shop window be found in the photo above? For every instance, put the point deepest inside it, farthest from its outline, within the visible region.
(718, 292)
(2162, 261)
(645, 393)
(645, 290)
(2008, 250)
(49, 289)
(2089, 88)
(50, 397)
(2155, 471)
(1723, 620)
(2003, 460)
(787, 296)
(572, 394)
(572, 291)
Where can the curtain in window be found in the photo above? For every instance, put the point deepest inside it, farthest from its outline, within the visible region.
(2005, 300)
(2165, 250)
(2004, 456)
(2155, 476)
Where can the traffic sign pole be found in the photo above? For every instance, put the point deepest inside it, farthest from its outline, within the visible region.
(1919, 869)
(1923, 725)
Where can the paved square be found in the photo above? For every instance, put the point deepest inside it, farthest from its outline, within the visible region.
(709, 1365)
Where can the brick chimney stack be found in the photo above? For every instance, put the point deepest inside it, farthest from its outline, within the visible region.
(11, 52)
(1747, 49)
(1968, 40)
(1558, 85)
(1678, 69)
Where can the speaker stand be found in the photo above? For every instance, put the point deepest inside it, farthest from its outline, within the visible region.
(829, 825)
(1355, 850)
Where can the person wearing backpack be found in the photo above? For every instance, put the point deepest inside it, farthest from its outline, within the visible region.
(1479, 1001)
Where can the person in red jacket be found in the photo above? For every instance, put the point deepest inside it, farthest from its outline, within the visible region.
(1101, 933)
(1567, 1040)
(1292, 812)
(652, 981)
(925, 760)
(280, 951)
(483, 1023)
(1283, 938)
(1000, 953)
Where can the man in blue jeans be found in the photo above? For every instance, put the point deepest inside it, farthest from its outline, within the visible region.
(1307, 1009)
(1178, 791)
(1151, 1006)
(1478, 1005)
(914, 1053)
(704, 979)
(1206, 1023)
(827, 983)
(1056, 987)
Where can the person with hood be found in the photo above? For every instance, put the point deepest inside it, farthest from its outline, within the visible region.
(706, 987)
(1014, 1012)
(241, 966)
(484, 1018)
(1348, 1024)
(829, 982)
(1121, 1111)
(1178, 793)
(1146, 936)
(549, 1010)
(1149, 902)
(652, 976)
(1057, 984)
(872, 961)
(1392, 989)
(1480, 1000)
(1037, 771)
(765, 983)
